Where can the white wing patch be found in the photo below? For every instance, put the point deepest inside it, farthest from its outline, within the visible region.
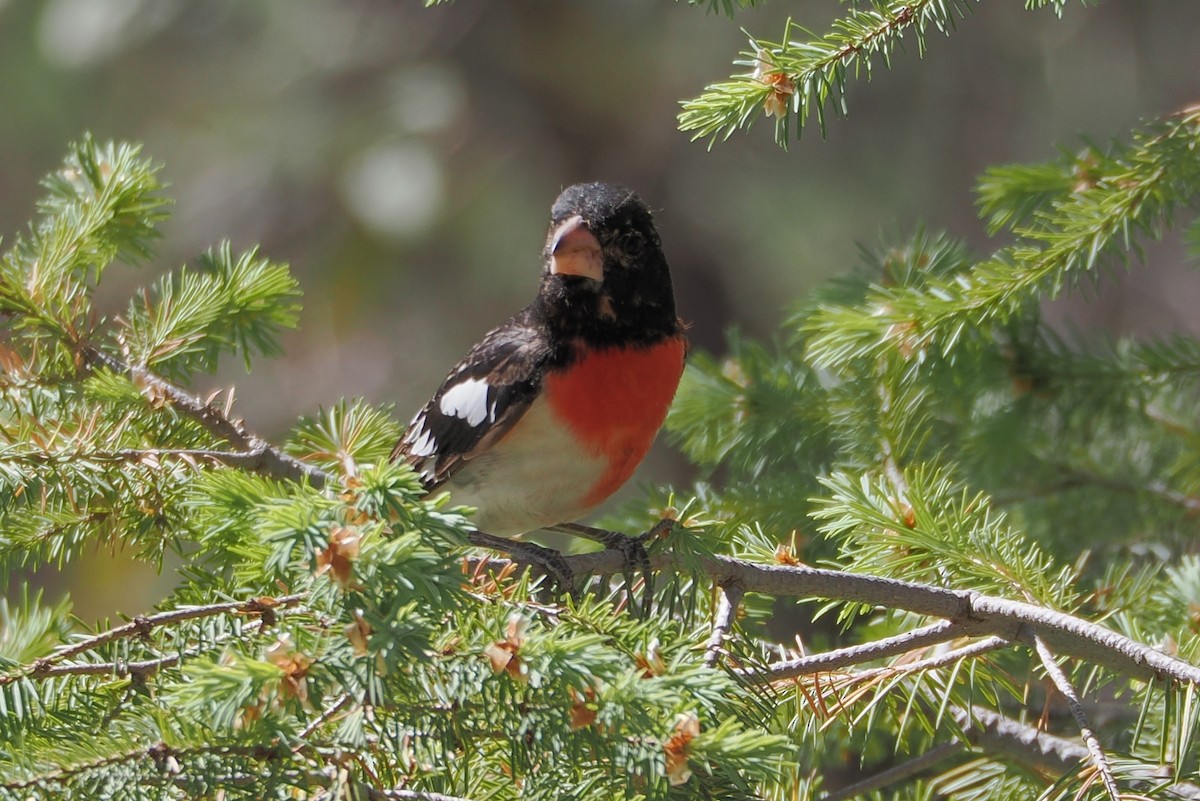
(468, 401)
(424, 445)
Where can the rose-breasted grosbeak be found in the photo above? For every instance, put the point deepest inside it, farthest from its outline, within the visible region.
(552, 411)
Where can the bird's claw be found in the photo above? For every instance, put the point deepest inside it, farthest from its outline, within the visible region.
(547, 560)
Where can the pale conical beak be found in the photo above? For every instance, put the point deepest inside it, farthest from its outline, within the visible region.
(574, 250)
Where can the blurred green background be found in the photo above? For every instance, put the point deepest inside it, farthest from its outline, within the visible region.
(403, 160)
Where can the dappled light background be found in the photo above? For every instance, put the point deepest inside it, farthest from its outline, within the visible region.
(403, 161)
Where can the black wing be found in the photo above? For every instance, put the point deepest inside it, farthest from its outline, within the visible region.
(484, 395)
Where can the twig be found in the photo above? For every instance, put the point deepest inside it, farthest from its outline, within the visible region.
(1095, 751)
(1047, 753)
(833, 684)
(258, 454)
(139, 670)
(244, 460)
(141, 626)
(940, 660)
(1025, 745)
(323, 718)
(730, 598)
(941, 631)
(65, 774)
(240, 459)
(979, 614)
(898, 773)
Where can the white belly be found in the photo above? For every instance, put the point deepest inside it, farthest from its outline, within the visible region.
(526, 482)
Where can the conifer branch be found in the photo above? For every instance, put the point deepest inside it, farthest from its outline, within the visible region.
(1039, 750)
(801, 79)
(977, 613)
(141, 626)
(934, 633)
(240, 459)
(65, 774)
(320, 720)
(138, 670)
(968, 651)
(1065, 688)
(256, 454)
(992, 732)
(163, 757)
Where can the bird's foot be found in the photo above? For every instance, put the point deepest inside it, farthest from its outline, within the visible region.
(546, 560)
(634, 555)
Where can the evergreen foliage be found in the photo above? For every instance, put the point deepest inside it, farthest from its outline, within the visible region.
(1004, 517)
(805, 75)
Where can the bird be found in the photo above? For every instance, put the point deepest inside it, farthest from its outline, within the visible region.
(551, 412)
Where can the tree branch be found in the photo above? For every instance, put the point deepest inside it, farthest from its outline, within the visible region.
(257, 454)
(940, 660)
(240, 459)
(939, 632)
(141, 626)
(727, 606)
(1046, 753)
(976, 613)
(996, 734)
(1095, 751)
(323, 718)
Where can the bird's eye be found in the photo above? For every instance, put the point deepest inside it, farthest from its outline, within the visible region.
(633, 244)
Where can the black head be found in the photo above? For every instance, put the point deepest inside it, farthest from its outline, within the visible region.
(606, 279)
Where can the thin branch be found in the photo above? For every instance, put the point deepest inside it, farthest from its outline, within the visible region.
(1043, 752)
(144, 624)
(141, 626)
(141, 669)
(1025, 745)
(164, 756)
(259, 455)
(939, 632)
(1095, 751)
(836, 682)
(65, 774)
(727, 606)
(931, 663)
(240, 459)
(323, 718)
(898, 773)
(979, 614)
(244, 460)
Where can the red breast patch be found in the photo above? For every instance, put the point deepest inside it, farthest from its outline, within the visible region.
(615, 400)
